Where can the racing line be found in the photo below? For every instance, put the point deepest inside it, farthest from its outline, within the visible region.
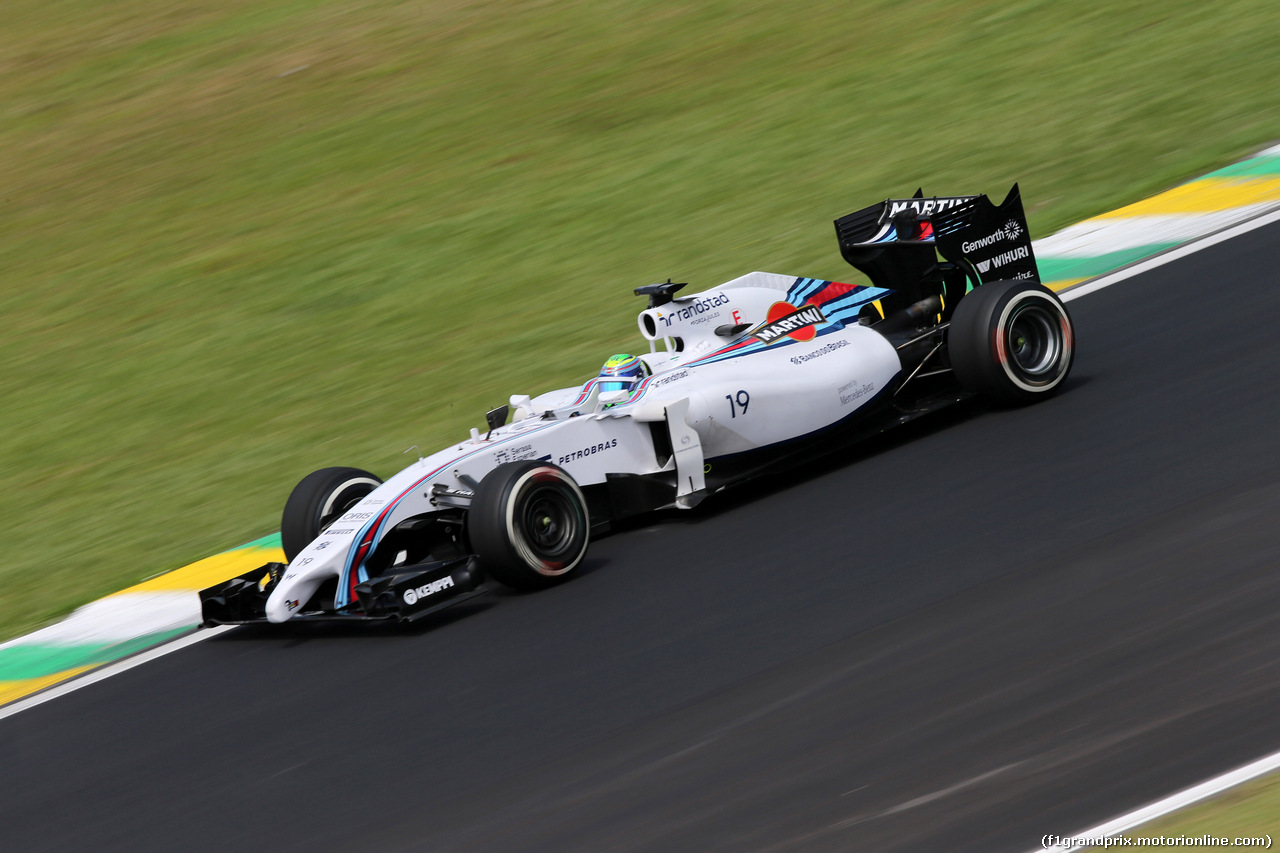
(991, 626)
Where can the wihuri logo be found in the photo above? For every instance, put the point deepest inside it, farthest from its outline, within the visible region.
(1003, 258)
(786, 320)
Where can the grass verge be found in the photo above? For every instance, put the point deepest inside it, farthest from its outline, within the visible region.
(1248, 811)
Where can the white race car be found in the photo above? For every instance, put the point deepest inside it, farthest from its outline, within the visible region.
(751, 375)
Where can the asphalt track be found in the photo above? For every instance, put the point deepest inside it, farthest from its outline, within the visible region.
(989, 627)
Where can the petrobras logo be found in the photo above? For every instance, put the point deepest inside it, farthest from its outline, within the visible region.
(1003, 258)
(588, 451)
(413, 596)
(693, 309)
(787, 321)
(926, 207)
(1011, 230)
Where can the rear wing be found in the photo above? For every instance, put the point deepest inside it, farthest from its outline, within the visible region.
(896, 243)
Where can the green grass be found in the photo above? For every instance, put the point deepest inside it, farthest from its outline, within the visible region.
(242, 240)
(1245, 812)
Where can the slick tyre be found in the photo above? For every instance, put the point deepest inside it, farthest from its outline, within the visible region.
(528, 524)
(320, 500)
(1011, 342)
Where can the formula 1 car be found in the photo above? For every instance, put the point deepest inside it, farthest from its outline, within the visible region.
(753, 375)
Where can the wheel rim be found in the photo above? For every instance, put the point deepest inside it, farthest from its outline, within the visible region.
(1035, 342)
(549, 523)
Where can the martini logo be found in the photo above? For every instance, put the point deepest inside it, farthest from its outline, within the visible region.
(926, 207)
(785, 320)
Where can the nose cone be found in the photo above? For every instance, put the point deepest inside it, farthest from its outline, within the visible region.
(281, 607)
(295, 590)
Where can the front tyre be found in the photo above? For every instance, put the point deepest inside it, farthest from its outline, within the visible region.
(1011, 342)
(528, 524)
(318, 501)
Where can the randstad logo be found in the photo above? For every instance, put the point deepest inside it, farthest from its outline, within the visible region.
(698, 306)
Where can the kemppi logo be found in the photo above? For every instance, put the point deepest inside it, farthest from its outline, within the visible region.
(413, 596)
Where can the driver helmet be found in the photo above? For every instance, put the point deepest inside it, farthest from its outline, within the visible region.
(622, 372)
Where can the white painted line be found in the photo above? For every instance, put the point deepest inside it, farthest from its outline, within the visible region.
(118, 618)
(1101, 236)
(94, 676)
(1168, 257)
(1195, 794)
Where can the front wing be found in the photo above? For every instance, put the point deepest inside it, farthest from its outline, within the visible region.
(405, 594)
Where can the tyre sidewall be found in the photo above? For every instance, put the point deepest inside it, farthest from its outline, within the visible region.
(317, 501)
(495, 524)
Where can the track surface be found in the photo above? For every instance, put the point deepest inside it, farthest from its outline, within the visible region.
(997, 625)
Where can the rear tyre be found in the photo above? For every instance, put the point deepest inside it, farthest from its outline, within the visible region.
(528, 524)
(318, 501)
(1011, 342)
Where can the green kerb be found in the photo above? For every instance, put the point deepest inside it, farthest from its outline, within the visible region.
(22, 662)
(1056, 269)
